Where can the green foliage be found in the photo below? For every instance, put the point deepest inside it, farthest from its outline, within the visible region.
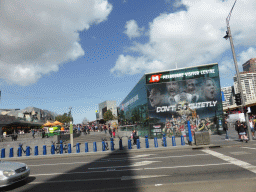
(107, 116)
(65, 118)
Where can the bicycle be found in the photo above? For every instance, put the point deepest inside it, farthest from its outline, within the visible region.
(23, 150)
(57, 147)
(105, 143)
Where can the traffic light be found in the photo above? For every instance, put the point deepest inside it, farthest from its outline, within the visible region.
(238, 99)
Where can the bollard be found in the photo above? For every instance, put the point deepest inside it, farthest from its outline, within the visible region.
(86, 147)
(120, 143)
(94, 146)
(36, 151)
(11, 152)
(146, 141)
(44, 150)
(182, 140)
(78, 148)
(112, 144)
(27, 151)
(138, 143)
(69, 148)
(3, 153)
(164, 141)
(19, 152)
(173, 141)
(155, 142)
(129, 144)
(61, 147)
(103, 146)
(52, 149)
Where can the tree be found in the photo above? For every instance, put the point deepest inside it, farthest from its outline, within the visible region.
(64, 118)
(85, 121)
(108, 116)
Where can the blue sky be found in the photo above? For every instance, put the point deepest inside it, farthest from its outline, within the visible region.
(56, 54)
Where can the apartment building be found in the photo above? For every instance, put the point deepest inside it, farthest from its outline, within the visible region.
(229, 97)
(248, 83)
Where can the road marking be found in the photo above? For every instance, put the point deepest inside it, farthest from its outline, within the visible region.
(248, 148)
(158, 185)
(187, 166)
(139, 156)
(239, 153)
(141, 177)
(166, 157)
(142, 163)
(123, 178)
(120, 170)
(232, 160)
(38, 165)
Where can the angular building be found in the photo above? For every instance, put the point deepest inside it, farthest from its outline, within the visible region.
(162, 102)
(250, 66)
(103, 107)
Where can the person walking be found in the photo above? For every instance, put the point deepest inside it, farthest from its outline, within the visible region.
(33, 133)
(110, 131)
(252, 127)
(114, 133)
(242, 132)
(225, 127)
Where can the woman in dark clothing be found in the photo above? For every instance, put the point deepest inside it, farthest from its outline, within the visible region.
(242, 132)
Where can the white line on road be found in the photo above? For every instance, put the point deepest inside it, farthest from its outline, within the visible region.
(142, 163)
(120, 170)
(123, 178)
(38, 165)
(232, 160)
(248, 148)
(187, 166)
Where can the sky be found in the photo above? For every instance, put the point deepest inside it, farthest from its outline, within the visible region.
(57, 54)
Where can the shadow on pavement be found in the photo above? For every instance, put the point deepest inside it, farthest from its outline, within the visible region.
(103, 174)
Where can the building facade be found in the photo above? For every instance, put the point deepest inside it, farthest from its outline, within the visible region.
(248, 83)
(162, 102)
(250, 66)
(104, 106)
(229, 97)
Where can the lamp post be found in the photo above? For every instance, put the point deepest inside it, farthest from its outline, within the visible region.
(229, 36)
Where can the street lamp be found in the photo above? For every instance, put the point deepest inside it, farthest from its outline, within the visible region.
(229, 36)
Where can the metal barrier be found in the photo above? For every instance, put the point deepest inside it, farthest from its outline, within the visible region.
(173, 141)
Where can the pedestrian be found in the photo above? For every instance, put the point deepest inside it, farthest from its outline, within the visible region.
(134, 136)
(33, 133)
(114, 133)
(43, 133)
(110, 132)
(242, 132)
(225, 127)
(105, 129)
(252, 127)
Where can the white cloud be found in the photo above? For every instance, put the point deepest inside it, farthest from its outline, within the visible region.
(37, 36)
(227, 67)
(132, 29)
(191, 37)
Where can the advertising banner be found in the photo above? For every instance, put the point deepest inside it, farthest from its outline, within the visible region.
(194, 94)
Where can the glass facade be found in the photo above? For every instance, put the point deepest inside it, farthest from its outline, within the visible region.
(134, 109)
(164, 102)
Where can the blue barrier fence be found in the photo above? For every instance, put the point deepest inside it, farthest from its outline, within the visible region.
(68, 148)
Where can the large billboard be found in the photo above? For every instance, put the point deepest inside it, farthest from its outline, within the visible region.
(185, 94)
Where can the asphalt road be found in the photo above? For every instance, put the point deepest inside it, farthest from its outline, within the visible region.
(230, 168)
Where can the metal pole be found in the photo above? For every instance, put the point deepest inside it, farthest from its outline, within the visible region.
(240, 90)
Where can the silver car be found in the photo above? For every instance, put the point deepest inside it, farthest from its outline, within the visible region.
(12, 172)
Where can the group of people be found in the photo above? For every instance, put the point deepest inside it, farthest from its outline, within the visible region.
(191, 92)
(178, 126)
